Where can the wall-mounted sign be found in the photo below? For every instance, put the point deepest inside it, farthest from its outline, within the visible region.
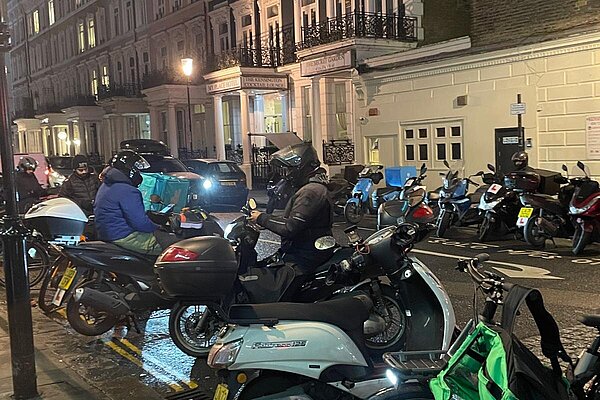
(224, 85)
(517, 109)
(326, 64)
(510, 140)
(592, 134)
(265, 82)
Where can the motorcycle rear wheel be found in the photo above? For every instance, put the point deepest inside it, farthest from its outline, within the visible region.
(444, 221)
(88, 321)
(581, 238)
(393, 338)
(353, 213)
(533, 235)
(191, 335)
(50, 283)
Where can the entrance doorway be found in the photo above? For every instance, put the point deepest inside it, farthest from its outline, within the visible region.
(382, 150)
(508, 142)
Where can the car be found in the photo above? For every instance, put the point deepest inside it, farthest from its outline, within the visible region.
(223, 184)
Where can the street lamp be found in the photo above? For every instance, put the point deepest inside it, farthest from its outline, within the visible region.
(187, 65)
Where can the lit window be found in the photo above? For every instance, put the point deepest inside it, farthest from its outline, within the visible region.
(91, 33)
(95, 83)
(81, 37)
(51, 16)
(77, 3)
(105, 77)
(36, 21)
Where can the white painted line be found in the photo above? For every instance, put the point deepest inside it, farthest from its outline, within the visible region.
(523, 271)
(366, 229)
(269, 241)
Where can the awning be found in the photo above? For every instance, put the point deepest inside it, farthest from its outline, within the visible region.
(281, 140)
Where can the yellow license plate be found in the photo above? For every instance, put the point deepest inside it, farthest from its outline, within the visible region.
(222, 392)
(67, 279)
(525, 212)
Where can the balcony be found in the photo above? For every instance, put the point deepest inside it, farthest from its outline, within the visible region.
(78, 100)
(273, 50)
(167, 76)
(24, 113)
(359, 25)
(131, 90)
(49, 108)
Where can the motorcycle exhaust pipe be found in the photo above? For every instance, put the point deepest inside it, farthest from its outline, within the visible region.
(109, 303)
(547, 226)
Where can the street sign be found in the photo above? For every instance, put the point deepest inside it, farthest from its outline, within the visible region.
(517, 109)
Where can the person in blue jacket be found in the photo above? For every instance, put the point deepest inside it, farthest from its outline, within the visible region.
(119, 211)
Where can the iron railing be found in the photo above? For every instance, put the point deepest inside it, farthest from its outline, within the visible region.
(78, 100)
(28, 112)
(186, 154)
(262, 170)
(166, 76)
(338, 152)
(49, 108)
(234, 154)
(359, 25)
(119, 90)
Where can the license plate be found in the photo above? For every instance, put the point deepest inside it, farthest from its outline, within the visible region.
(67, 279)
(227, 183)
(495, 188)
(222, 392)
(526, 212)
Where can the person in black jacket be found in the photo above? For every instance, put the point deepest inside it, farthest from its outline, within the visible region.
(81, 186)
(29, 189)
(307, 217)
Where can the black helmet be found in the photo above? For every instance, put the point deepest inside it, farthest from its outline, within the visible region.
(130, 163)
(300, 160)
(520, 159)
(28, 164)
(80, 161)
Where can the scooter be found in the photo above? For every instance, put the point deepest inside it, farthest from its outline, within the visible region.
(364, 198)
(499, 207)
(548, 216)
(411, 205)
(105, 283)
(315, 351)
(457, 207)
(340, 191)
(585, 210)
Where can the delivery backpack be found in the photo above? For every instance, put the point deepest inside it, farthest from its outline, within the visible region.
(492, 364)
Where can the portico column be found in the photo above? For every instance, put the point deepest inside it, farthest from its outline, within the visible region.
(219, 132)
(172, 130)
(297, 22)
(154, 123)
(285, 113)
(246, 142)
(330, 4)
(315, 107)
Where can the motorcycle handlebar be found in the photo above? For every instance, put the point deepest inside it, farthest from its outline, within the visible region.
(487, 281)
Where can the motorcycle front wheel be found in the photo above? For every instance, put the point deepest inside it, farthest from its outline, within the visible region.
(581, 238)
(353, 213)
(86, 320)
(443, 223)
(533, 234)
(38, 263)
(485, 229)
(193, 329)
(396, 325)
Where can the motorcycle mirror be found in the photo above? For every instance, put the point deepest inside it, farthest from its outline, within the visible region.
(491, 167)
(446, 164)
(480, 173)
(325, 243)
(581, 166)
(155, 199)
(423, 168)
(564, 168)
(442, 174)
(251, 204)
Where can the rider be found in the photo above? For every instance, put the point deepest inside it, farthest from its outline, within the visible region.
(29, 189)
(81, 186)
(521, 161)
(119, 209)
(307, 217)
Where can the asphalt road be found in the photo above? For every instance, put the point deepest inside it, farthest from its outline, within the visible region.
(569, 285)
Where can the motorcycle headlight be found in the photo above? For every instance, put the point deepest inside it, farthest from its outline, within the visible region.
(207, 184)
(485, 206)
(222, 356)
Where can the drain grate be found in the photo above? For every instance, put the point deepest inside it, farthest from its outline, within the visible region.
(191, 394)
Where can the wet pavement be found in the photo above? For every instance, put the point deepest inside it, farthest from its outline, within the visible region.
(150, 361)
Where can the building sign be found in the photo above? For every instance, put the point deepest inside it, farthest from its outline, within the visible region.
(517, 109)
(224, 86)
(265, 82)
(326, 64)
(510, 140)
(592, 134)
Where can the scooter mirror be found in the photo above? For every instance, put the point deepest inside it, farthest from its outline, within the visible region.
(564, 168)
(442, 174)
(423, 168)
(446, 164)
(251, 204)
(491, 167)
(581, 166)
(155, 199)
(325, 243)
(480, 173)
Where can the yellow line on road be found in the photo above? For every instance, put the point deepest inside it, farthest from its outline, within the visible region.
(123, 353)
(131, 346)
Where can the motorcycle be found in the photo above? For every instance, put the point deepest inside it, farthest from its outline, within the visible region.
(340, 191)
(584, 210)
(364, 199)
(102, 283)
(196, 319)
(545, 217)
(316, 351)
(457, 207)
(411, 205)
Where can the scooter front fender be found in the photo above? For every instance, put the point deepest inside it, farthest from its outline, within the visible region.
(355, 200)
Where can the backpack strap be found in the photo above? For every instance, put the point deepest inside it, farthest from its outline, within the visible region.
(550, 342)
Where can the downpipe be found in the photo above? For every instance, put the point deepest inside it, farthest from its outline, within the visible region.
(107, 302)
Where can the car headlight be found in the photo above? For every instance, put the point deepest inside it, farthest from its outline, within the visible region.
(222, 356)
(207, 184)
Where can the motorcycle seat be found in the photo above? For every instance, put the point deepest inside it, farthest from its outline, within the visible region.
(339, 254)
(348, 312)
(385, 190)
(591, 321)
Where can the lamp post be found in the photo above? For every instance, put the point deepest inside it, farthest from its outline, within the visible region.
(187, 65)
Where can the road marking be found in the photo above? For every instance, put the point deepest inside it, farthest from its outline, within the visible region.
(524, 271)
(269, 241)
(123, 353)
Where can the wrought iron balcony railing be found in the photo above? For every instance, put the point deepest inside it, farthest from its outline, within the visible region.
(359, 25)
(78, 100)
(167, 76)
(49, 108)
(119, 90)
(337, 152)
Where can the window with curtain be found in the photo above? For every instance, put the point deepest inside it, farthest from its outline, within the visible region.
(341, 115)
(306, 113)
(91, 33)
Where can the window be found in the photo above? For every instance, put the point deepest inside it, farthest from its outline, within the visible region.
(410, 152)
(163, 51)
(36, 21)
(77, 3)
(306, 114)
(456, 151)
(145, 57)
(224, 37)
(455, 131)
(246, 20)
(91, 33)
(116, 21)
(105, 77)
(423, 152)
(272, 11)
(441, 151)
(81, 37)
(180, 45)
(409, 134)
(120, 71)
(51, 16)
(95, 83)
(129, 15)
(445, 143)
(422, 133)
(340, 111)
(160, 9)
(440, 132)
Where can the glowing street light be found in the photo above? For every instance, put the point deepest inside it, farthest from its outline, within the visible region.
(187, 65)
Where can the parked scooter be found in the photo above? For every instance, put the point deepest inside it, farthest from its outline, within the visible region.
(340, 191)
(410, 206)
(499, 207)
(457, 206)
(545, 217)
(364, 198)
(585, 210)
(316, 351)
(105, 283)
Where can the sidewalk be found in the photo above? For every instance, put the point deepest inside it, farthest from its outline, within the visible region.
(58, 375)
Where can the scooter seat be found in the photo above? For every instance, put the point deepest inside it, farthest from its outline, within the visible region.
(339, 254)
(591, 321)
(348, 312)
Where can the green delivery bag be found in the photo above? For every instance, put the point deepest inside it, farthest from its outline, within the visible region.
(171, 190)
(492, 364)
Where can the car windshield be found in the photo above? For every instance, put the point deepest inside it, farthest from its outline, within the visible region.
(197, 166)
(225, 167)
(166, 165)
(60, 162)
